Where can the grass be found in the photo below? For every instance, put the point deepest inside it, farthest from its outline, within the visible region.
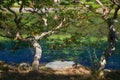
(93, 39)
(59, 36)
(4, 39)
(65, 42)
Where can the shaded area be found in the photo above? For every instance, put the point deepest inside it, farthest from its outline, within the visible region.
(79, 73)
(8, 72)
(115, 75)
(39, 76)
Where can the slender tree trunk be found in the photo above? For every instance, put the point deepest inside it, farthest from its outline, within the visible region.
(110, 49)
(38, 54)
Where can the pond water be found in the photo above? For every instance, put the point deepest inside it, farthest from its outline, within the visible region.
(86, 56)
(82, 57)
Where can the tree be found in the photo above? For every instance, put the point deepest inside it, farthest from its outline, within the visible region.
(112, 34)
(40, 10)
(110, 17)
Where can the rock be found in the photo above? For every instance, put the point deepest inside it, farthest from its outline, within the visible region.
(58, 65)
(2, 62)
(23, 67)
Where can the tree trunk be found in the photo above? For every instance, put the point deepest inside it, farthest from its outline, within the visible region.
(38, 54)
(110, 49)
(38, 50)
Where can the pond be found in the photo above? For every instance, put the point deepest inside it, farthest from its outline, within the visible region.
(86, 56)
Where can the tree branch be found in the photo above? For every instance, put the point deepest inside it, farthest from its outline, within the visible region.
(100, 3)
(20, 11)
(13, 12)
(106, 11)
(20, 38)
(116, 11)
(49, 32)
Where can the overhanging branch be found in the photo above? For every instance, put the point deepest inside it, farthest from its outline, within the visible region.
(116, 11)
(100, 3)
(51, 31)
(20, 11)
(13, 12)
(37, 37)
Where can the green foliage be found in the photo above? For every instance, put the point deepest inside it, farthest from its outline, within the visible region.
(66, 2)
(7, 25)
(41, 3)
(78, 19)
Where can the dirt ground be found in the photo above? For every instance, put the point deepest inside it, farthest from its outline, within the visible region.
(8, 72)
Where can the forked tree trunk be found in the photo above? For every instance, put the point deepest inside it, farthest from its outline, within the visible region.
(110, 49)
(38, 54)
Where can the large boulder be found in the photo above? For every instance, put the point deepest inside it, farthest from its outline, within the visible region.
(58, 65)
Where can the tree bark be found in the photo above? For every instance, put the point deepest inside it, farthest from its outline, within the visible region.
(112, 34)
(112, 37)
(38, 49)
(38, 54)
